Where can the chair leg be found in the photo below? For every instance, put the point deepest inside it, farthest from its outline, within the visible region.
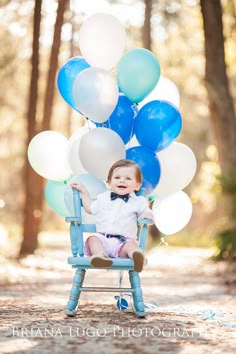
(137, 294)
(75, 292)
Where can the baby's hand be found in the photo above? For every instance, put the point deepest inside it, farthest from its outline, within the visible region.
(78, 186)
(146, 216)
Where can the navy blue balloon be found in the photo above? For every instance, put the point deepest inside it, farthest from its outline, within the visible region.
(122, 119)
(157, 125)
(66, 77)
(150, 167)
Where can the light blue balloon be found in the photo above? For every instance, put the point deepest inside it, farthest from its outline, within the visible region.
(138, 72)
(54, 194)
(157, 125)
(66, 77)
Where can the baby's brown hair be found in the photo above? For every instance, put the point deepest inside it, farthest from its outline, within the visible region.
(125, 163)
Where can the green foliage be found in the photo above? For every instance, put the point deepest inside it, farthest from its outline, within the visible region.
(225, 240)
(226, 245)
(228, 184)
(186, 238)
(191, 238)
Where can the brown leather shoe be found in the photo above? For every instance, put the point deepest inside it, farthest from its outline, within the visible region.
(138, 258)
(100, 261)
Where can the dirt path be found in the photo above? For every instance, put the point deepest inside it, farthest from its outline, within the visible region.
(195, 312)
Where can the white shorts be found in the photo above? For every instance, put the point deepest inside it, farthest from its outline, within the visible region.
(112, 246)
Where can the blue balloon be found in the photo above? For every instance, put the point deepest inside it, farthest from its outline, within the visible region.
(66, 77)
(122, 119)
(157, 125)
(150, 167)
(122, 304)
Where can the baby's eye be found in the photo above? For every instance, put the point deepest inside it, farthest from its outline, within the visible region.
(117, 177)
(128, 178)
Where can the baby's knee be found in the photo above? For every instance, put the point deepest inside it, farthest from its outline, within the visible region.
(92, 239)
(132, 244)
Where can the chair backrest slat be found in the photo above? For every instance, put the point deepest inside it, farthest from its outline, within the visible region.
(88, 227)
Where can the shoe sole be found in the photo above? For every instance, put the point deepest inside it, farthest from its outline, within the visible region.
(98, 262)
(138, 258)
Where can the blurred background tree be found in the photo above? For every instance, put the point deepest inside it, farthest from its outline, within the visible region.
(223, 121)
(34, 187)
(174, 31)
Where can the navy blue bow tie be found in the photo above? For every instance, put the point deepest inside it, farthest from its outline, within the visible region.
(125, 197)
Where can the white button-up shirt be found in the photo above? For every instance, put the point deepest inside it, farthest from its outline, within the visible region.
(117, 217)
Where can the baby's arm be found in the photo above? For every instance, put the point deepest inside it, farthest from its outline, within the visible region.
(147, 215)
(145, 212)
(85, 196)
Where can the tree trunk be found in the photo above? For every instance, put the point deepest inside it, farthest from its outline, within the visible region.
(53, 66)
(223, 121)
(154, 233)
(147, 39)
(33, 182)
(220, 102)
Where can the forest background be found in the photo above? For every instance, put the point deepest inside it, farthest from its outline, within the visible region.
(195, 45)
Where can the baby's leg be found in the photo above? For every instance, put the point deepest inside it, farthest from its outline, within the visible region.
(99, 257)
(95, 245)
(131, 250)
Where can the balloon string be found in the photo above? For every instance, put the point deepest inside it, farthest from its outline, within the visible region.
(162, 241)
(134, 109)
(120, 278)
(87, 121)
(121, 273)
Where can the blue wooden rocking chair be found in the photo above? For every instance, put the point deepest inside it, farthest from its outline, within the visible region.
(81, 263)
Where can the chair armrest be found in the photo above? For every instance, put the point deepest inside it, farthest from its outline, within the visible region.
(73, 219)
(145, 222)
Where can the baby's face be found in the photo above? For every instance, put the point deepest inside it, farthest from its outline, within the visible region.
(124, 181)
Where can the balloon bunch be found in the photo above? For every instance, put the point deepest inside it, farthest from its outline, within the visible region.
(136, 103)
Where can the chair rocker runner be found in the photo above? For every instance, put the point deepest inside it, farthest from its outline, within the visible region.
(82, 263)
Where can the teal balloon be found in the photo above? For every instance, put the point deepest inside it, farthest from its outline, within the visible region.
(138, 72)
(54, 194)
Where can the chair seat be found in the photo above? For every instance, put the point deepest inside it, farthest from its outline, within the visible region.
(118, 263)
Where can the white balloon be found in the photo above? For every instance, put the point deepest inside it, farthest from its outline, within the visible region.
(165, 90)
(99, 149)
(93, 184)
(95, 93)
(178, 167)
(172, 214)
(48, 154)
(102, 40)
(74, 160)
